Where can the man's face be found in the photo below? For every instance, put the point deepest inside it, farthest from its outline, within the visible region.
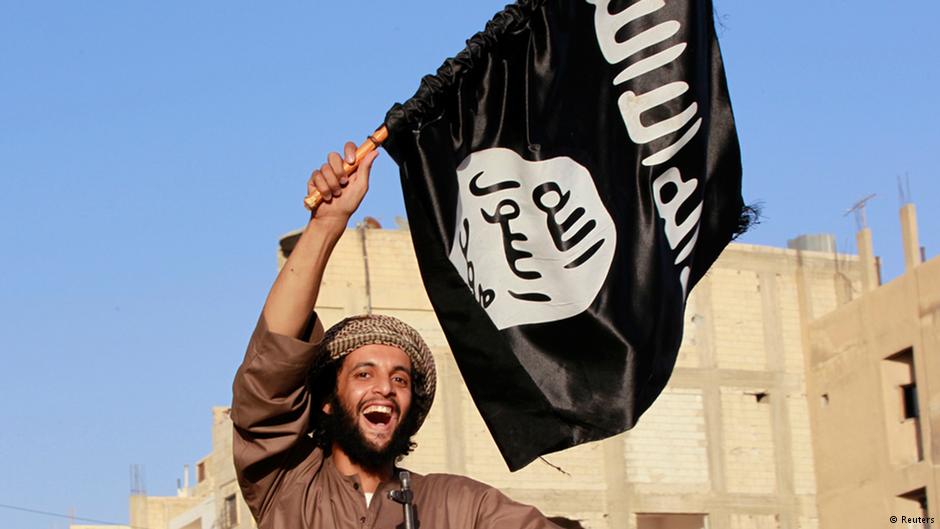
(374, 388)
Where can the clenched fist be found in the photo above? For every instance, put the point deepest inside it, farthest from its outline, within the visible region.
(342, 193)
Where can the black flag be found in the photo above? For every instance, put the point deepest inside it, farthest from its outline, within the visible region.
(568, 177)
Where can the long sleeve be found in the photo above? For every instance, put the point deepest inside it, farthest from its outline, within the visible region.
(447, 500)
(271, 414)
(497, 511)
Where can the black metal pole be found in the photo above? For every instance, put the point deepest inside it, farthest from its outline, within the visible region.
(405, 497)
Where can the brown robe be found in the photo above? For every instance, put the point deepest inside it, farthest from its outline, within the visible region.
(289, 484)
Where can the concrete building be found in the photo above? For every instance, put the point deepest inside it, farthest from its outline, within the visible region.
(727, 445)
(873, 376)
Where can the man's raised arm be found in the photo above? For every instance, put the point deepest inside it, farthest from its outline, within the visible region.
(270, 402)
(294, 293)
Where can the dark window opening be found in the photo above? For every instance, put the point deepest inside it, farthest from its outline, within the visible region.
(909, 398)
(230, 512)
(566, 523)
(919, 498)
(759, 396)
(902, 409)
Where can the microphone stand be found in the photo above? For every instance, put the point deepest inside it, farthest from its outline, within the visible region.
(405, 496)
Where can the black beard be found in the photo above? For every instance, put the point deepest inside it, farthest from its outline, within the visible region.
(342, 428)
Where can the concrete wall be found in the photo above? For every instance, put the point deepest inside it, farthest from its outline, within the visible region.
(870, 457)
(157, 511)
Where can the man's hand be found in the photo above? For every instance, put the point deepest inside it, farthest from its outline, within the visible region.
(295, 290)
(341, 193)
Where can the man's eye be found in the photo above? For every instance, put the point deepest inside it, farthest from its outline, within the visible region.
(401, 380)
(362, 374)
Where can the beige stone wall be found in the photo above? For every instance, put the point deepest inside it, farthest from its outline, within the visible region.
(748, 441)
(158, 511)
(804, 478)
(866, 450)
(738, 320)
(667, 451)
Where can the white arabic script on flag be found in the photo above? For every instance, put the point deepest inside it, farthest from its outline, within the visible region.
(670, 189)
(533, 240)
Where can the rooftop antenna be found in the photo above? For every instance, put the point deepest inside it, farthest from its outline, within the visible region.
(138, 485)
(861, 221)
(904, 189)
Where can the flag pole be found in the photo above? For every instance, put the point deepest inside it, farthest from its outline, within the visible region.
(372, 142)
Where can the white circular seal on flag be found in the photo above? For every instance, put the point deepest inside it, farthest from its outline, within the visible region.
(533, 240)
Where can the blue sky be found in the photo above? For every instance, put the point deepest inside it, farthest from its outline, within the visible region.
(152, 153)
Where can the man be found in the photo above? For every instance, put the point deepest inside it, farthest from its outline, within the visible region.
(321, 418)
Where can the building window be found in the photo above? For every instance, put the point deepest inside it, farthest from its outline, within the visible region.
(230, 512)
(670, 521)
(913, 507)
(566, 523)
(200, 471)
(909, 399)
(902, 409)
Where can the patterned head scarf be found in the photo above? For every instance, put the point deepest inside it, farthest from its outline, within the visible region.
(357, 331)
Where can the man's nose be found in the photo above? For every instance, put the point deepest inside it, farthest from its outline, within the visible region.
(383, 386)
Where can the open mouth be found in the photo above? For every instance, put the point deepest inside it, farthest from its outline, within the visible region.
(378, 414)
